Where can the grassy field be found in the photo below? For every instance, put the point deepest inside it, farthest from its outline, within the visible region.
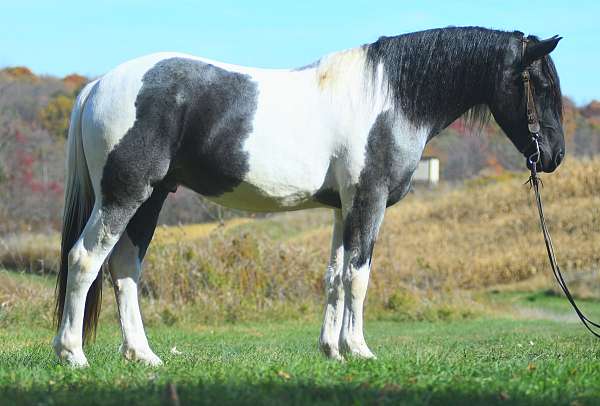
(527, 349)
(481, 361)
(461, 309)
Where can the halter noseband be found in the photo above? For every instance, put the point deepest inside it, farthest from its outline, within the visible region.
(533, 122)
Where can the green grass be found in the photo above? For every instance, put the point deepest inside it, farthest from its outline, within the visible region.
(547, 302)
(484, 361)
(29, 279)
(545, 359)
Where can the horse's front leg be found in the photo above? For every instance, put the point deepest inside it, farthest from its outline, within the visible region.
(361, 227)
(334, 291)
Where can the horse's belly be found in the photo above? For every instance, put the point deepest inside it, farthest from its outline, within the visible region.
(247, 196)
(277, 185)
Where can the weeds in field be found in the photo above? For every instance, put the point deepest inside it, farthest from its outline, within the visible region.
(435, 249)
(35, 253)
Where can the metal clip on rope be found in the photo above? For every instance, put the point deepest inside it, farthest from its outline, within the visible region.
(535, 157)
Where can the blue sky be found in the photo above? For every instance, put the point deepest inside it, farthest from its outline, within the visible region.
(90, 37)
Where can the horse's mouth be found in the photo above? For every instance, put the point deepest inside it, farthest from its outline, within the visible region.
(542, 164)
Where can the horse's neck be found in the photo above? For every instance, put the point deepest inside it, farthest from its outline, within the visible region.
(435, 77)
(343, 79)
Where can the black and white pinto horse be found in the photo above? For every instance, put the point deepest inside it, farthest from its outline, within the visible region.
(346, 133)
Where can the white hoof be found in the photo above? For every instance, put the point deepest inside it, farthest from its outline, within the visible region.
(73, 357)
(330, 350)
(356, 350)
(144, 355)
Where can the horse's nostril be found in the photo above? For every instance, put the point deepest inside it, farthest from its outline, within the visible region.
(559, 157)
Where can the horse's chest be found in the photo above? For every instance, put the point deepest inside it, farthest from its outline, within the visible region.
(392, 153)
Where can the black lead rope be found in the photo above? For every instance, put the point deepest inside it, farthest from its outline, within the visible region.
(535, 182)
(533, 125)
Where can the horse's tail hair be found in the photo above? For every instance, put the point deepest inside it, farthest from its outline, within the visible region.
(79, 201)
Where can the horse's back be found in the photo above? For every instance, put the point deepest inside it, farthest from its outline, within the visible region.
(235, 134)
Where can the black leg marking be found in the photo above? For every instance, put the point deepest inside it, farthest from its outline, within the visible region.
(328, 194)
(142, 225)
(362, 225)
(384, 180)
(329, 197)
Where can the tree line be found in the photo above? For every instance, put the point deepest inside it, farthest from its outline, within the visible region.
(34, 121)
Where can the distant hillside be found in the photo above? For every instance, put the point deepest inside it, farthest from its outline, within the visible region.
(34, 118)
(436, 250)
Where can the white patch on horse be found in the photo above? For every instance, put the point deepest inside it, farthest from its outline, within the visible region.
(334, 293)
(125, 268)
(294, 144)
(85, 260)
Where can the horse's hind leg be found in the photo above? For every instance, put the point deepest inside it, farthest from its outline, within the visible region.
(334, 290)
(125, 265)
(102, 231)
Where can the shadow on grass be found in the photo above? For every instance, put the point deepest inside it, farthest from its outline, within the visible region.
(275, 393)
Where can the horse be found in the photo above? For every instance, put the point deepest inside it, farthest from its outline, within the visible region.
(345, 132)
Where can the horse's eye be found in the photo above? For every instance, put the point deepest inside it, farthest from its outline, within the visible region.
(544, 84)
(539, 82)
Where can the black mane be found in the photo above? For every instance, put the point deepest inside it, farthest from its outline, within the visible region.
(434, 76)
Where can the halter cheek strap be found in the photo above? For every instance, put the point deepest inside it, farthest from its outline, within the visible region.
(533, 122)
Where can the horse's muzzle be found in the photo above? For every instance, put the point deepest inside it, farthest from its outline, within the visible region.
(546, 163)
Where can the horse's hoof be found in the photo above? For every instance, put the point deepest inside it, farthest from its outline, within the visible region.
(144, 356)
(356, 350)
(151, 360)
(362, 353)
(74, 358)
(330, 351)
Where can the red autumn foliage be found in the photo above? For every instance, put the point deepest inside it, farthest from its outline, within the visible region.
(20, 73)
(74, 82)
(32, 156)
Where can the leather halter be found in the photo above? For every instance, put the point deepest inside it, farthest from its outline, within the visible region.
(533, 122)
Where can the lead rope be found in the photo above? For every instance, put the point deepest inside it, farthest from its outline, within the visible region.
(533, 125)
(535, 181)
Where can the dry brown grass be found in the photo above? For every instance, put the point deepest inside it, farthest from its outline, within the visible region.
(31, 252)
(436, 249)
(190, 232)
(39, 253)
(25, 298)
(481, 235)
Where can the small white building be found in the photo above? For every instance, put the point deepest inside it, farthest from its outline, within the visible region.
(428, 171)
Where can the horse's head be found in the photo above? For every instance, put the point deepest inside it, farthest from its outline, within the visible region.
(510, 107)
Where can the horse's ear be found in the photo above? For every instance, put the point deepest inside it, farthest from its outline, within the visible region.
(538, 50)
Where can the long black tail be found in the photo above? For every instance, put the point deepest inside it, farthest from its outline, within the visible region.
(79, 201)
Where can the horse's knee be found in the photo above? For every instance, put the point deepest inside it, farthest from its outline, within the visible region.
(80, 259)
(83, 265)
(333, 283)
